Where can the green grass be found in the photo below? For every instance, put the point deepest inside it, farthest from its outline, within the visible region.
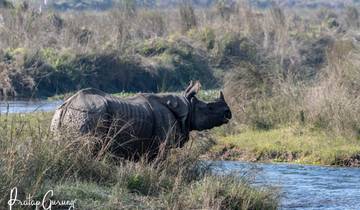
(207, 95)
(35, 162)
(287, 144)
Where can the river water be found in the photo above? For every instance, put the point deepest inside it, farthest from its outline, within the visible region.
(300, 186)
(28, 106)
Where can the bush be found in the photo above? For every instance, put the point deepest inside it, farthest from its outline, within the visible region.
(264, 98)
(230, 49)
(332, 103)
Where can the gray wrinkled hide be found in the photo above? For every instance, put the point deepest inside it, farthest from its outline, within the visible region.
(142, 121)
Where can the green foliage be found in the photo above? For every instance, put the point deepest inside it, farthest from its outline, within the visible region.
(228, 193)
(15, 54)
(209, 95)
(153, 47)
(55, 59)
(290, 144)
(205, 35)
(231, 48)
(138, 183)
(177, 63)
(59, 71)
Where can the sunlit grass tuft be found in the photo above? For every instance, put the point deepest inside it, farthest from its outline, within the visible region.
(288, 144)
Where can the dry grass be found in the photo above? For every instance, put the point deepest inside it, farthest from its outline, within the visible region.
(281, 66)
(293, 84)
(34, 162)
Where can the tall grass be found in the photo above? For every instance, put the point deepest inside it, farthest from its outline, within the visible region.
(34, 161)
(155, 45)
(298, 85)
(279, 66)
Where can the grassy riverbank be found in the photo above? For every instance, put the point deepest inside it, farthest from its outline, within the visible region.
(207, 95)
(134, 48)
(32, 161)
(288, 144)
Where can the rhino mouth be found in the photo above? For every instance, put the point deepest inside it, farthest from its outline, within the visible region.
(226, 120)
(227, 116)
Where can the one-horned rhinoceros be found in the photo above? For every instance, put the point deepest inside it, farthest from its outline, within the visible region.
(139, 124)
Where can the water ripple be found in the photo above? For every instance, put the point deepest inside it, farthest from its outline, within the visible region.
(302, 186)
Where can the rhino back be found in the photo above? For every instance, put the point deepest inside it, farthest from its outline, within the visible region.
(81, 113)
(134, 114)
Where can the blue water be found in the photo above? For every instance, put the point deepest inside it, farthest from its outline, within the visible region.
(28, 106)
(302, 186)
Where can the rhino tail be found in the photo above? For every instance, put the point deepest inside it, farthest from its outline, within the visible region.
(55, 124)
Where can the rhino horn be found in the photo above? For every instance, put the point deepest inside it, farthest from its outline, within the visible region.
(222, 96)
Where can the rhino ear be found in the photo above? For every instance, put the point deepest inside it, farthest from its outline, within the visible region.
(192, 90)
(189, 87)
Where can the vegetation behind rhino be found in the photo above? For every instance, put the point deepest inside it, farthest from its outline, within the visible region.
(139, 124)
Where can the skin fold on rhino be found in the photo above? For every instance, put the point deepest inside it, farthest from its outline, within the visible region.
(139, 124)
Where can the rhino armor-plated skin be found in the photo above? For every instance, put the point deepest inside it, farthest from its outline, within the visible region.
(142, 127)
(137, 125)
